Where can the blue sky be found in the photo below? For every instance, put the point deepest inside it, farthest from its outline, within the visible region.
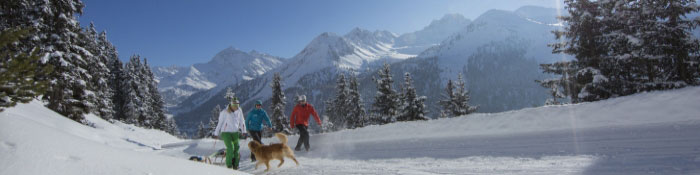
(184, 32)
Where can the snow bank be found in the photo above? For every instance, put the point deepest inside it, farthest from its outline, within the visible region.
(644, 108)
(36, 140)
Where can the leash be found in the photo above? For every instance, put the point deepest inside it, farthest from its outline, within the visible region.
(213, 147)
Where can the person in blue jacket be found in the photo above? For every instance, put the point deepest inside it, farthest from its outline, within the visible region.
(254, 123)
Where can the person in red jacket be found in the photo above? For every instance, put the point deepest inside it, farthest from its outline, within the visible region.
(300, 120)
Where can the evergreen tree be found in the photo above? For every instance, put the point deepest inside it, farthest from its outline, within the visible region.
(18, 70)
(447, 102)
(582, 40)
(213, 120)
(281, 122)
(201, 131)
(100, 73)
(554, 90)
(116, 77)
(670, 39)
(356, 108)
(157, 113)
(171, 127)
(69, 92)
(386, 102)
(625, 47)
(336, 109)
(137, 100)
(413, 105)
(230, 95)
(461, 99)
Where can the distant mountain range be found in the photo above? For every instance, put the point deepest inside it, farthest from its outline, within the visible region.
(228, 67)
(498, 53)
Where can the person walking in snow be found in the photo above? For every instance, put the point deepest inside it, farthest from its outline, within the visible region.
(254, 122)
(231, 126)
(300, 120)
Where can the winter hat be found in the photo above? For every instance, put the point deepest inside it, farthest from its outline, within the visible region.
(234, 102)
(258, 102)
(302, 98)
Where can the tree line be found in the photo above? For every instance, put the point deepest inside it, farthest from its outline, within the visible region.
(624, 47)
(46, 53)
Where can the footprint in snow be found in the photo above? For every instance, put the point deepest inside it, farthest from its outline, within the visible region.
(8, 145)
(67, 158)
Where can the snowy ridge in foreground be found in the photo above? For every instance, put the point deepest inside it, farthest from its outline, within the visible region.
(648, 133)
(36, 140)
(645, 108)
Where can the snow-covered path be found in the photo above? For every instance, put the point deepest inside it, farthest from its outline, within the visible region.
(660, 148)
(650, 133)
(668, 148)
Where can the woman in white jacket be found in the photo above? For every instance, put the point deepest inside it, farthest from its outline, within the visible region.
(231, 125)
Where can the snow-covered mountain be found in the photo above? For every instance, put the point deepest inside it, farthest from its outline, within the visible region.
(438, 30)
(309, 72)
(521, 25)
(505, 48)
(228, 67)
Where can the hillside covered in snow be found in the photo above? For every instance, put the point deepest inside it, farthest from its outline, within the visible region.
(647, 133)
(36, 140)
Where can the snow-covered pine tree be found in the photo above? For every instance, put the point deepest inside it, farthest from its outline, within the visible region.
(171, 127)
(18, 70)
(129, 87)
(356, 107)
(137, 99)
(554, 90)
(413, 105)
(386, 101)
(669, 41)
(156, 113)
(625, 47)
(281, 123)
(148, 115)
(447, 102)
(461, 100)
(230, 95)
(99, 81)
(201, 131)
(213, 120)
(336, 110)
(116, 76)
(69, 91)
(581, 38)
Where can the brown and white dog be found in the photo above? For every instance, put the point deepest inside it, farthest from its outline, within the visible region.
(265, 153)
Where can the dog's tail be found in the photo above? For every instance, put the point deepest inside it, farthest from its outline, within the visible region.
(282, 137)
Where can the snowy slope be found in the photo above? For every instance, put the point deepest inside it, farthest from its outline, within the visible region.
(648, 133)
(36, 140)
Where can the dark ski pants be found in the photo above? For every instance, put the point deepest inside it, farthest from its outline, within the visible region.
(256, 135)
(303, 137)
